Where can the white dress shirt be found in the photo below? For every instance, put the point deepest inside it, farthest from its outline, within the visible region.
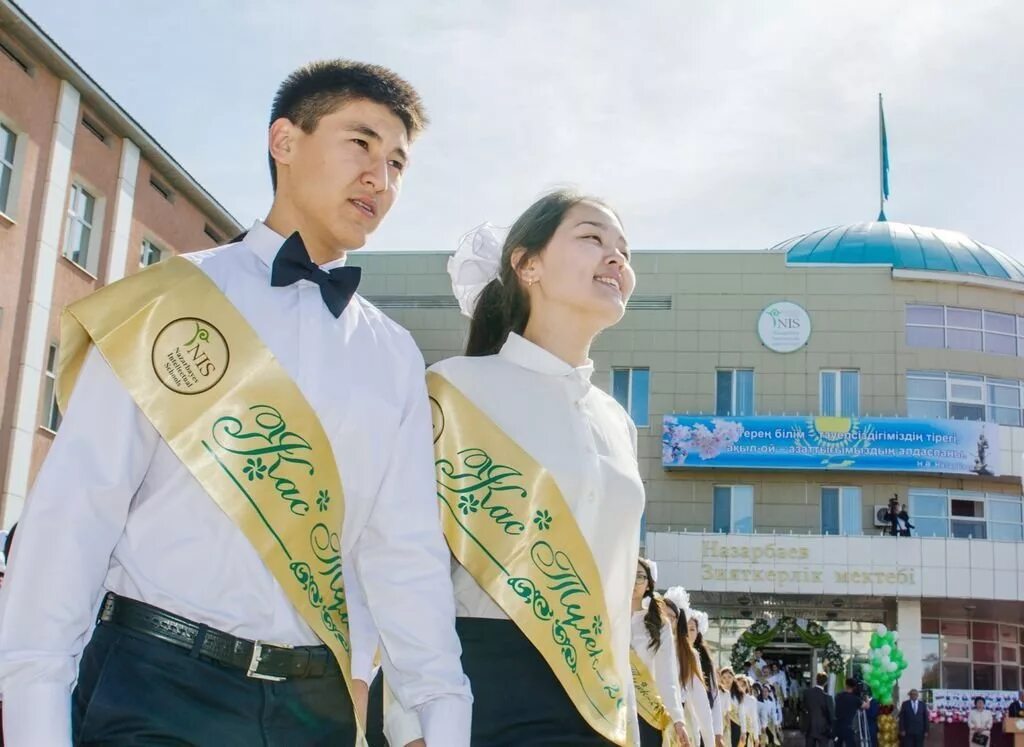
(584, 438)
(661, 663)
(700, 718)
(750, 717)
(113, 509)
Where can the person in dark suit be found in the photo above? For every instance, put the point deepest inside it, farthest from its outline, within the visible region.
(818, 713)
(913, 721)
(874, 707)
(1016, 708)
(848, 704)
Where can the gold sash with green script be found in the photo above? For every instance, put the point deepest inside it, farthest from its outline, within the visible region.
(508, 524)
(235, 419)
(648, 702)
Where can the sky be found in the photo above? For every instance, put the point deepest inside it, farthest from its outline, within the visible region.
(720, 124)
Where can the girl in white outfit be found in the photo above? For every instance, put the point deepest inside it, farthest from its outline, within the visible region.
(700, 720)
(749, 716)
(655, 645)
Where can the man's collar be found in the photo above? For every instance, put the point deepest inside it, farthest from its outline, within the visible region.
(265, 242)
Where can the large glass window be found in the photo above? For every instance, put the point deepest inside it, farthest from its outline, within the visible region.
(631, 387)
(841, 511)
(942, 513)
(734, 393)
(78, 238)
(733, 509)
(958, 396)
(8, 140)
(957, 328)
(840, 393)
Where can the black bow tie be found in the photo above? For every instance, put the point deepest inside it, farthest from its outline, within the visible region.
(292, 263)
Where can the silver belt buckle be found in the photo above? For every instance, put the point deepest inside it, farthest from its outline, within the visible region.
(254, 663)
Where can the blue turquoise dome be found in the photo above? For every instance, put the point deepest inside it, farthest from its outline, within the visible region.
(902, 246)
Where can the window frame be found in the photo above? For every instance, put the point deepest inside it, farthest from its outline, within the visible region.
(52, 416)
(733, 384)
(838, 393)
(90, 262)
(842, 492)
(733, 488)
(984, 329)
(630, 389)
(157, 249)
(989, 385)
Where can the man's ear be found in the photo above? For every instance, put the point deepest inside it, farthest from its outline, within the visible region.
(281, 140)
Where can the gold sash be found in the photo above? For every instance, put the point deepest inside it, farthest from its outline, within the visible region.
(649, 704)
(235, 419)
(508, 524)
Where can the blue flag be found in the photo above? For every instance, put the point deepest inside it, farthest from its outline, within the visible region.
(884, 145)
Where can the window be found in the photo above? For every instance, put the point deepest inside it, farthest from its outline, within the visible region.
(734, 392)
(938, 394)
(8, 140)
(79, 231)
(841, 511)
(964, 329)
(94, 128)
(151, 254)
(840, 393)
(631, 388)
(941, 513)
(162, 188)
(733, 509)
(51, 417)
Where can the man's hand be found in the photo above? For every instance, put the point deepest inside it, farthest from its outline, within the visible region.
(681, 735)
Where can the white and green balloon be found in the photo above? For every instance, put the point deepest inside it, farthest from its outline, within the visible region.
(886, 664)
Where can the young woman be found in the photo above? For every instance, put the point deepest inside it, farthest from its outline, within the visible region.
(655, 646)
(730, 696)
(700, 719)
(696, 627)
(538, 481)
(749, 715)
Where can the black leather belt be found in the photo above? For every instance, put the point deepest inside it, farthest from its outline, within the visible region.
(258, 660)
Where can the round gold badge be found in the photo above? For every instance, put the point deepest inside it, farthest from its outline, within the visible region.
(190, 356)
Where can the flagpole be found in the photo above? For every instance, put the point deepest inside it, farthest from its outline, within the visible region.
(881, 161)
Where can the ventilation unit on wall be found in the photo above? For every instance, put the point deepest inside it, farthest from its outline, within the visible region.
(880, 512)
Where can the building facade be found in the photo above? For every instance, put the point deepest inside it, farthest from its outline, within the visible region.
(861, 363)
(87, 196)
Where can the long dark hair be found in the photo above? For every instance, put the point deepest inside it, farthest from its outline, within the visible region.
(503, 305)
(655, 617)
(735, 689)
(689, 664)
(710, 680)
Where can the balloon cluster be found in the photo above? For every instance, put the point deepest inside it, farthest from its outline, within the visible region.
(888, 730)
(886, 664)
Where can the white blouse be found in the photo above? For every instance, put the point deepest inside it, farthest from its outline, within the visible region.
(750, 720)
(662, 664)
(700, 719)
(584, 438)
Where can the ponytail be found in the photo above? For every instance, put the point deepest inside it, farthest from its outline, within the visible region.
(504, 306)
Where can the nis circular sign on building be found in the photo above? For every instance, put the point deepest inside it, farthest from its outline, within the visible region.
(784, 327)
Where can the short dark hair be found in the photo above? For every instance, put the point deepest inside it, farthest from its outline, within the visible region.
(821, 679)
(503, 306)
(319, 88)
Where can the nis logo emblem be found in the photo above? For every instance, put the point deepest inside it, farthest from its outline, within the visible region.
(190, 356)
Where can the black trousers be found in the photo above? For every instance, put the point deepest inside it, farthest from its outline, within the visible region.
(912, 740)
(517, 700)
(649, 736)
(734, 733)
(136, 690)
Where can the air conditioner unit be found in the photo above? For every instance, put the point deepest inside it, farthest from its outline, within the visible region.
(880, 512)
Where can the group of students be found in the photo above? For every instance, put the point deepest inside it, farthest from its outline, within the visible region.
(702, 705)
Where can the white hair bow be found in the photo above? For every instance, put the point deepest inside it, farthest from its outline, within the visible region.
(475, 263)
(680, 598)
(652, 567)
(702, 621)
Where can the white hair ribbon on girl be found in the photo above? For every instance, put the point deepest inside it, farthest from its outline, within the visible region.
(702, 621)
(681, 599)
(475, 263)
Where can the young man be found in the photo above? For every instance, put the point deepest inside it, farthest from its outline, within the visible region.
(242, 485)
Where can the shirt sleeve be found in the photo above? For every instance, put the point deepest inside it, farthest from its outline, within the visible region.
(403, 564)
(697, 704)
(73, 519)
(718, 715)
(666, 668)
